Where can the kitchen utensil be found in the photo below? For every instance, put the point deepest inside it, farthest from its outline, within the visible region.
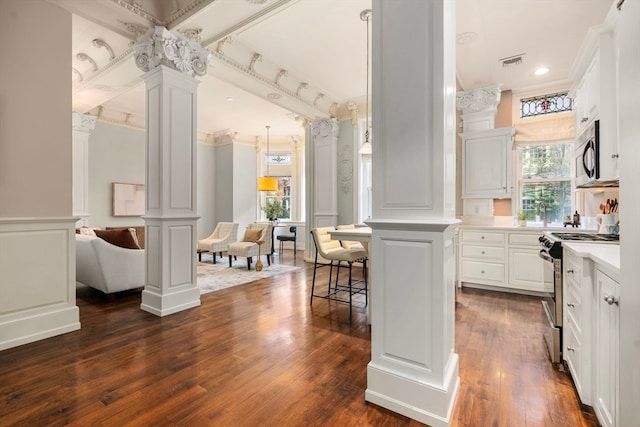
(605, 223)
(601, 208)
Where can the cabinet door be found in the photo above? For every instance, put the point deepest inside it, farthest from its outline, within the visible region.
(607, 327)
(526, 270)
(487, 165)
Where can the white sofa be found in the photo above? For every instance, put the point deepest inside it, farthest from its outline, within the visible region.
(106, 267)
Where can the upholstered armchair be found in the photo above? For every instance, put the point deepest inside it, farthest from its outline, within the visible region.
(256, 242)
(224, 234)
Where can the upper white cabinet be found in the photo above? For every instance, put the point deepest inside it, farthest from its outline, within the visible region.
(594, 94)
(486, 163)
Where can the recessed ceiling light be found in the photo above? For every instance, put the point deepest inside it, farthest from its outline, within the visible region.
(542, 70)
(229, 99)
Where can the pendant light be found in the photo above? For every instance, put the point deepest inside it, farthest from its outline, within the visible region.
(267, 183)
(365, 15)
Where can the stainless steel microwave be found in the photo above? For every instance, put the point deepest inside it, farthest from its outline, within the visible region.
(587, 155)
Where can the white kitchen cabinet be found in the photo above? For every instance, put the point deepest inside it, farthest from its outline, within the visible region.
(486, 163)
(482, 257)
(504, 260)
(594, 95)
(578, 295)
(606, 349)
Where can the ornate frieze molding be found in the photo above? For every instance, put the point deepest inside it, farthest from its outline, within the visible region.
(163, 47)
(282, 73)
(324, 128)
(318, 98)
(78, 74)
(194, 34)
(302, 85)
(352, 106)
(256, 57)
(84, 57)
(222, 42)
(101, 43)
(82, 122)
(481, 99)
(136, 29)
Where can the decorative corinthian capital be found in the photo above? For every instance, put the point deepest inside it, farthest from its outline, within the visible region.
(83, 122)
(325, 128)
(163, 47)
(481, 99)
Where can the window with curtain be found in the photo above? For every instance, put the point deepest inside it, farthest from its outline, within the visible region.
(545, 175)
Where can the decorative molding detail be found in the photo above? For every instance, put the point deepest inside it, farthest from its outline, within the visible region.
(282, 73)
(163, 47)
(101, 43)
(318, 98)
(240, 67)
(345, 169)
(222, 42)
(194, 34)
(136, 29)
(302, 85)
(352, 106)
(256, 57)
(481, 99)
(181, 12)
(123, 57)
(333, 109)
(256, 1)
(324, 128)
(304, 122)
(78, 74)
(84, 57)
(134, 7)
(274, 95)
(82, 122)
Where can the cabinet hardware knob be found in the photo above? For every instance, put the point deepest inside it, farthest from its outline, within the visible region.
(482, 237)
(483, 273)
(611, 300)
(482, 252)
(615, 156)
(569, 270)
(584, 119)
(569, 348)
(570, 304)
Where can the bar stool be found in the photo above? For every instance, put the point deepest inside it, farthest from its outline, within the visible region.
(331, 250)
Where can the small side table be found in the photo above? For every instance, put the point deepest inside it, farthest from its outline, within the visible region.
(200, 252)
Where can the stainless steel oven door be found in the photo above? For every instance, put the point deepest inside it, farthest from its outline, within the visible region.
(552, 307)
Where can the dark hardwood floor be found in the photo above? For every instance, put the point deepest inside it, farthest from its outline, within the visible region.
(258, 354)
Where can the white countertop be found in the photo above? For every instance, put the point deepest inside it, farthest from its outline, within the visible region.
(600, 253)
(528, 228)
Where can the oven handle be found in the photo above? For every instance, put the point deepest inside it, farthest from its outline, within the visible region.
(543, 254)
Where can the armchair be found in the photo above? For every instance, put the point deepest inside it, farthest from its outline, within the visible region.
(256, 232)
(224, 234)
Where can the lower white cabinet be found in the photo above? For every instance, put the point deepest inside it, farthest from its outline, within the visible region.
(607, 349)
(502, 259)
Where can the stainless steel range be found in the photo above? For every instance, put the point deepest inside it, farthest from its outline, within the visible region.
(551, 252)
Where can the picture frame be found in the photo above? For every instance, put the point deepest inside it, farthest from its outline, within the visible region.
(128, 199)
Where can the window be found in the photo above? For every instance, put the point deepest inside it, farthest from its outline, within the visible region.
(544, 175)
(546, 104)
(277, 205)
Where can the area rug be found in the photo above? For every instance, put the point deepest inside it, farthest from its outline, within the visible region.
(213, 277)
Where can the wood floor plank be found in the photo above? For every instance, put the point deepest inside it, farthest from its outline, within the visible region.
(258, 354)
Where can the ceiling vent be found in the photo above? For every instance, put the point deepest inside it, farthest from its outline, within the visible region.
(512, 60)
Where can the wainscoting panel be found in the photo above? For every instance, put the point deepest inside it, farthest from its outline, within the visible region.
(37, 286)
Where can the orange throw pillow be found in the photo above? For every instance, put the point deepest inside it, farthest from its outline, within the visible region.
(252, 235)
(122, 238)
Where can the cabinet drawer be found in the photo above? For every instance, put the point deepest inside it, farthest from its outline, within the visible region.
(482, 271)
(483, 252)
(525, 239)
(572, 268)
(574, 307)
(486, 237)
(573, 356)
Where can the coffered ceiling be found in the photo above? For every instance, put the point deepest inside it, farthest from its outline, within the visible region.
(276, 62)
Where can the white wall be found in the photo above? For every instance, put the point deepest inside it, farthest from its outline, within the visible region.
(35, 174)
(206, 193)
(245, 186)
(116, 154)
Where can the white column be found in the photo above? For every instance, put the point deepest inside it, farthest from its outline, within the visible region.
(325, 172)
(413, 368)
(83, 125)
(170, 61)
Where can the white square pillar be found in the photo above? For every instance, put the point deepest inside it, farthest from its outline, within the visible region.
(413, 368)
(170, 60)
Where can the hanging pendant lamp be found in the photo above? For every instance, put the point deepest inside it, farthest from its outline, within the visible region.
(365, 15)
(267, 183)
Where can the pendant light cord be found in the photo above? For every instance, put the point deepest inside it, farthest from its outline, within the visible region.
(268, 127)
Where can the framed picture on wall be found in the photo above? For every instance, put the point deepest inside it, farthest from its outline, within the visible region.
(128, 199)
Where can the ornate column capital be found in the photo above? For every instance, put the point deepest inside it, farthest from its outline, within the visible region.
(481, 99)
(352, 106)
(163, 47)
(83, 122)
(325, 128)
